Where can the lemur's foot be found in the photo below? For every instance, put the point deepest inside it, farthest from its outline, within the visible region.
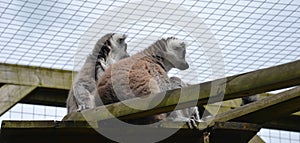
(193, 123)
(83, 107)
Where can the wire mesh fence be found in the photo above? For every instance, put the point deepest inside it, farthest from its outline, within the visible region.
(250, 34)
(277, 136)
(34, 112)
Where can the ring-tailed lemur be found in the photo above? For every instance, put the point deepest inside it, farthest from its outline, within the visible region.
(108, 49)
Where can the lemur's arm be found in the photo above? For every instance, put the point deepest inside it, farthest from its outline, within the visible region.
(189, 115)
(101, 66)
(84, 97)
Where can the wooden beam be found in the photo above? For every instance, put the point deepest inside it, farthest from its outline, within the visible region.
(257, 112)
(289, 123)
(44, 78)
(251, 83)
(78, 132)
(11, 95)
(230, 104)
(256, 139)
(35, 76)
(262, 111)
(297, 113)
(216, 109)
(233, 132)
(47, 96)
(234, 103)
(287, 103)
(223, 106)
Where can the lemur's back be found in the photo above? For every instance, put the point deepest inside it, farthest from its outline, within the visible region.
(132, 77)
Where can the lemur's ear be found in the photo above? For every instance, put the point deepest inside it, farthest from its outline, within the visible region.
(125, 36)
(183, 44)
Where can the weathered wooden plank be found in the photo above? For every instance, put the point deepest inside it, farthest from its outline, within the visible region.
(45, 124)
(262, 111)
(216, 109)
(256, 139)
(220, 107)
(289, 104)
(78, 132)
(35, 76)
(229, 104)
(233, 132)
(297, 113)
(62, 131)
(236, 86)
(290, 97)
(11, 95)
(289, 123)
(47, 96)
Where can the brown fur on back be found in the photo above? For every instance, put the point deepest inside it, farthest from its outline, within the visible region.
(142, 74)
(135, 72)
(145, 75)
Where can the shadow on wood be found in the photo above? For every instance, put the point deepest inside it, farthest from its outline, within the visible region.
(79, 131)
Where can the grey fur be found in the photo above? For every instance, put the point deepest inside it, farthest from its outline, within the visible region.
(106, 51)
(190, 115)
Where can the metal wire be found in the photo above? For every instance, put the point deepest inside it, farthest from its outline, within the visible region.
(251, 34)
(277, 136)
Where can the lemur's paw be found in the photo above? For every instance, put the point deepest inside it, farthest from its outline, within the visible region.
(82, 107)
(193, 123)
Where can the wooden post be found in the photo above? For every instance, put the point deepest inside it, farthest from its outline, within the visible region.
(11, 95)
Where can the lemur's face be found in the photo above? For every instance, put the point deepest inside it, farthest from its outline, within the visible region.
(175, 53)
(118, 46)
